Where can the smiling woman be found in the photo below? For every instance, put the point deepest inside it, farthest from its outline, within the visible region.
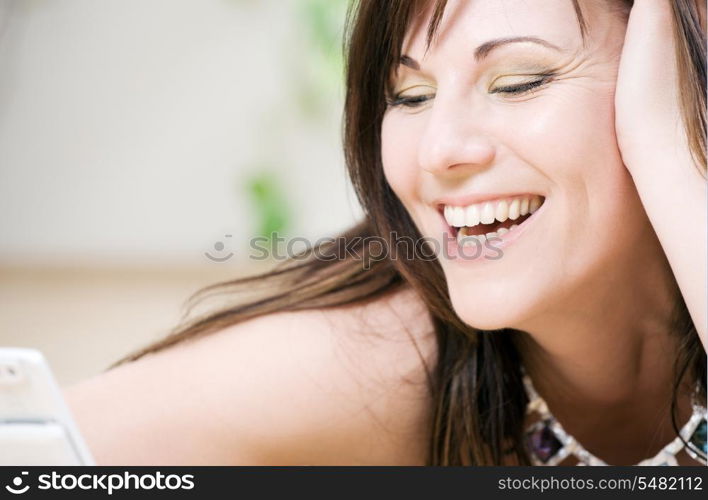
(570, 337)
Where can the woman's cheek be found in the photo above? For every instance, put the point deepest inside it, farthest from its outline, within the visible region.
(399, 155)
(568, 134)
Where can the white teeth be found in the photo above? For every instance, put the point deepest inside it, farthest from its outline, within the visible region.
(487, 215)
(502, 211)
(450, 214)
(458, 216)
(467, 240)
(524, 206)
(514, 209)
(491, 211)
(464, 239)
(472, 215)
(534, 204)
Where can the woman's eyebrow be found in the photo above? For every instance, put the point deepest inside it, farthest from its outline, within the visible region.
(410, 62)
(484, 49)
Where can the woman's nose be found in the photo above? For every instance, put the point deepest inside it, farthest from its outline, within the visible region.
(453, 141)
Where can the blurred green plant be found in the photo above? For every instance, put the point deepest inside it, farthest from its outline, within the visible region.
(269, 203)
(323, 22)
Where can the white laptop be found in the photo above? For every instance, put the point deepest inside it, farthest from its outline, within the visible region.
(36, 427)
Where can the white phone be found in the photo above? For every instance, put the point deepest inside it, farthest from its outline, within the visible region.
(36, 427)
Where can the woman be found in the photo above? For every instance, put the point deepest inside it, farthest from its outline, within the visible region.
(582, 124)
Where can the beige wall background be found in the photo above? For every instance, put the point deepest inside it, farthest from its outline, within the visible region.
(128, 132)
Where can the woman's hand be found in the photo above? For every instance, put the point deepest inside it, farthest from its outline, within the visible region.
(647, 102)
(655, 148)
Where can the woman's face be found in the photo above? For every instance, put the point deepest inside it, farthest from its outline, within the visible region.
(486, 131)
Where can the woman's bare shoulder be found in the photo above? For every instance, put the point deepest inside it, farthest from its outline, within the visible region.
(338, 386)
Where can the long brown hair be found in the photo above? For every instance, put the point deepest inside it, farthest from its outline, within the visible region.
(479, 401)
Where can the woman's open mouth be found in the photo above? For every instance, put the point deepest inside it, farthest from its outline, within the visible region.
(476, 223)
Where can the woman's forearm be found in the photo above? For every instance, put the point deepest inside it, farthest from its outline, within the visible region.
(673, 192)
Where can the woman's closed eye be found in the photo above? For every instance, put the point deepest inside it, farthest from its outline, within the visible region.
(519, 89)
(413, 99)
(524, 87)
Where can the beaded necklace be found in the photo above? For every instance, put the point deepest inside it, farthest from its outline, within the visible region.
(548, 442)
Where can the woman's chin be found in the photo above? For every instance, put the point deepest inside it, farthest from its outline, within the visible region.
(485, 312)
(484, 323)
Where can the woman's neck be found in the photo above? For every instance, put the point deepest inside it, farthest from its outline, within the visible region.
(604, 363)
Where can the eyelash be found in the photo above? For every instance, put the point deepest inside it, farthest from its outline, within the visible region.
(517, 90)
